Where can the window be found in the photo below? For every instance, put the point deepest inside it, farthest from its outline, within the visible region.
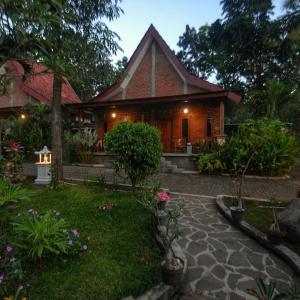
(185, 129)
(208, 128)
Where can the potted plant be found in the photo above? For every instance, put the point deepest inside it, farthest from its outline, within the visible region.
(237, 212)
(172, 266)
(162, 199)
(274, 234)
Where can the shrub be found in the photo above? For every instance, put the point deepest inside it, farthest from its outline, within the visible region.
(137, 148)
(272, 148)
(83, 141)
(40, 235)
(45, 235)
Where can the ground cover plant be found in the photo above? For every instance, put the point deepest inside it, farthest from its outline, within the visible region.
(261, 215)
(117, 258)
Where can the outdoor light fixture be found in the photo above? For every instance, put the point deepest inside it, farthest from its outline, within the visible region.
(113, 115)
(23, 116)
(43, 166)
(185, 110)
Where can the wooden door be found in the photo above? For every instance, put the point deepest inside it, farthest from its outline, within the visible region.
(165, 127)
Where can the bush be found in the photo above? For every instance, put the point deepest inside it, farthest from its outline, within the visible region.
(45, 235)
(137, 148)
(273, 149)
(82, 142)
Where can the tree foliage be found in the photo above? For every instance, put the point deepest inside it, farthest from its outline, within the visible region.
(246, 49)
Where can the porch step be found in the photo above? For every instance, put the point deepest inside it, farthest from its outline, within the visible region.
(167, 166)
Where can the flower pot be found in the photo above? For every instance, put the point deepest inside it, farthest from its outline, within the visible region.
(237, 213)
(161, 205)
(275, 237)
(162, 218)
(172, 276)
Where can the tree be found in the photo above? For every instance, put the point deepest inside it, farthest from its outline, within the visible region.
(245, 49)
(53, 26)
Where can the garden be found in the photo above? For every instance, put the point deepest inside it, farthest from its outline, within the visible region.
(89, 240)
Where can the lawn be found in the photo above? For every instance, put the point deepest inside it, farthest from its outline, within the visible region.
(122, 258)
(257, 213)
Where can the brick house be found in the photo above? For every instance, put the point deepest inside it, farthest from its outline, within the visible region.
(157, 89)
(35, 87)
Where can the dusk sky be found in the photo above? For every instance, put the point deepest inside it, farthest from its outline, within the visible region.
(168, 16)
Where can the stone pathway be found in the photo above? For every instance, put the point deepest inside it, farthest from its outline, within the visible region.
(193, 183)
(223, 262)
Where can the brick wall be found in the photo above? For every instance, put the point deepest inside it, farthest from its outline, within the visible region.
(168, 118)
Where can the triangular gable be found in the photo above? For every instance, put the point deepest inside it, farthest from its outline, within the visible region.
(118, 90)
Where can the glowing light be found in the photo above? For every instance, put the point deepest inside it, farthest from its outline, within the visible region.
(185, 110)
(113, 115)
(23, 116)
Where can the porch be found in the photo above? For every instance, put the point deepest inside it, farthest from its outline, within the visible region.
(186, 122)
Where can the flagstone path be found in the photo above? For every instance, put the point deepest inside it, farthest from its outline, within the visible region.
(223, 261)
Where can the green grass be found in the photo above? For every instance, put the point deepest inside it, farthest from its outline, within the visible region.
(122, 259)
(255, 215)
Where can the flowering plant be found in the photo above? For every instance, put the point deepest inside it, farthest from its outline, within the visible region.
(163, 196)
(11, 272)
(45, 235)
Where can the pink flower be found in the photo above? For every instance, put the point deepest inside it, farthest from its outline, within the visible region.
(75, 232)
(8, 248)
(30, 210)
(84, 247)
(163, 196)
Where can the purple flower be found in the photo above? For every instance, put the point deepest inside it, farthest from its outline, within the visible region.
(65, 231)
(8, 248)
(12, 259)
(70, 242)
(30, 210)
(1, 278)
(84, 247)
(75, 232)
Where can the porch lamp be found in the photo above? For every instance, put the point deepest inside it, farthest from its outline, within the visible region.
(43, 166)
(113, 115)
(185, 110)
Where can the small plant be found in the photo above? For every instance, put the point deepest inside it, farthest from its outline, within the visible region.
(10, 195)
(274, 202)
(210, 163)
(55, 184)
(105, 206)
(170, 234)
(11, 272)
(268, 291)
(40, 235)
(162, 198)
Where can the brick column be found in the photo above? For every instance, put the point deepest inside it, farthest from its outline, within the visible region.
(221, 117)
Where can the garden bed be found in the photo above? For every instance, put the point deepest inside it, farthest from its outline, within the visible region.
(257, 220)
(122, 258)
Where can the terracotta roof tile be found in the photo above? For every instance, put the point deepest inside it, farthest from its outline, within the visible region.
(39, 85)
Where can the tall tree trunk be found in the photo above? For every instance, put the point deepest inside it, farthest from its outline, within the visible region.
(56, 128)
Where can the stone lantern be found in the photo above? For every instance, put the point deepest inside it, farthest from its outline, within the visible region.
(43, 166)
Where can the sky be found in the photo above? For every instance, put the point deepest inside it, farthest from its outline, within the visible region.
(168, 16)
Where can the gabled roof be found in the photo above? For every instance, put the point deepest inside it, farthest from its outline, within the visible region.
(152, 34)
(39, 84)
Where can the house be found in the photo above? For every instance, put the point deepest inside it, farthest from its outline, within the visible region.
(18, 88)
(157, 89)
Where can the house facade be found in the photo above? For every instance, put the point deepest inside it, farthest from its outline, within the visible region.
(18, 88)
(157, 89)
